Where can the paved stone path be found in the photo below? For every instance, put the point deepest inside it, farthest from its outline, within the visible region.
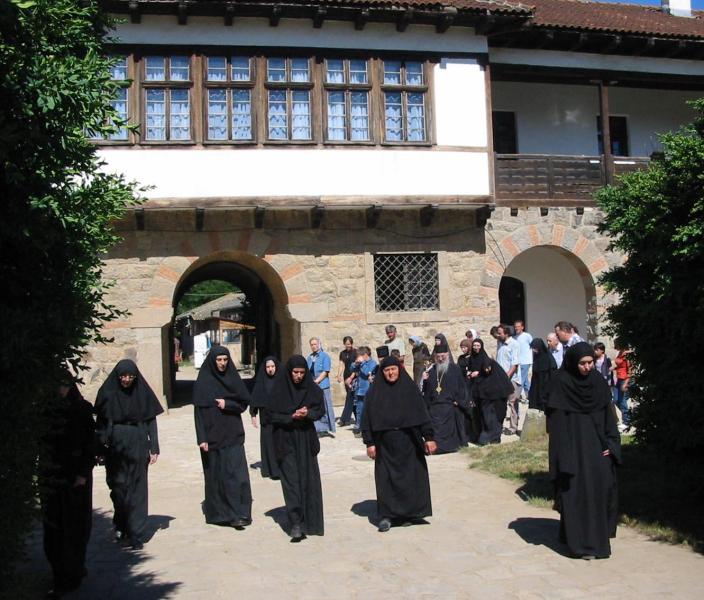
(482, 542)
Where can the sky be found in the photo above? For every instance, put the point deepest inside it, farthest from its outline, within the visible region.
(696, 4)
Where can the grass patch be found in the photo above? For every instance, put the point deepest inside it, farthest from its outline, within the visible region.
(657, 498)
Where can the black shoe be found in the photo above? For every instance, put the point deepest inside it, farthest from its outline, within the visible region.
(137, 545)
(384, 525)
(241, 523)
(296, 533)
(507, 431)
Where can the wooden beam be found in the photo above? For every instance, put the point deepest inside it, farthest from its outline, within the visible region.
(649, 46)
(316, 216)
(579, 42)
(361, 19)
(544, 211)
(446, 19)
(319, 17)
(606, 130)
(139, 218)
(676, 49)
(372, 215)
(259, 212)
(200, 218)
(229, 13)
(545, 40)
(613, 43)
(404, 19)
(275, 16)
(182, 9)
(485, 25)
(135, 15)
(426, 215)
(483, 215)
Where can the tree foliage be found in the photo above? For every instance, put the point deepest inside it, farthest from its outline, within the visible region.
(656, 219)
(58, 204)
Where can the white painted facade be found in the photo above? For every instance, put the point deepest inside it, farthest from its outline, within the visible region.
(562, 119)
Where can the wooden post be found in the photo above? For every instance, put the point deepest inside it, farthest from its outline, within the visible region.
(606, 131)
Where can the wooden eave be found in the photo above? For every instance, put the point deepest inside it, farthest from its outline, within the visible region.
(596, 42)
(442, 17)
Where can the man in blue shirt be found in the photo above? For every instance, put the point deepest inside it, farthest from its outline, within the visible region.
(362, 369)
(319, 364)
(555, 347)
(525, 354)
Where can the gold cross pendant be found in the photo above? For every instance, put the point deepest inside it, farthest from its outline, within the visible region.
(438, 389)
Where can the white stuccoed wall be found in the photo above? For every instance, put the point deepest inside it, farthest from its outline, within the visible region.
(561, 119)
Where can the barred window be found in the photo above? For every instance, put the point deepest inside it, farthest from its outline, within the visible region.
(406, 282)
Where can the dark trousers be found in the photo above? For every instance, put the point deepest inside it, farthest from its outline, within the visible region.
(349, 408)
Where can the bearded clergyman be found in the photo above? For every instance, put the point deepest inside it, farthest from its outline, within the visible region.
(446, 396)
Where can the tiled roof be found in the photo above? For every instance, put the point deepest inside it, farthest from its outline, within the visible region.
(582, 15)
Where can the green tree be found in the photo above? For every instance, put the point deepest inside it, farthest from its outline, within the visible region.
(58, 206)
(656, 219)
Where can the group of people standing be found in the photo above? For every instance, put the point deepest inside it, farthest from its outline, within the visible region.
(400, 419)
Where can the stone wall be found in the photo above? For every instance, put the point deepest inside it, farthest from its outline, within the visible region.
(321, 279)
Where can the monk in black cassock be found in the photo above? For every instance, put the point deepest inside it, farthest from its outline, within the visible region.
(219, 399)
(490, 389)
(584, 449)
(294, 405)
(445, 394)
(127, 408)
(397, 431)
(472, 417)
(544, 366)
(263, 387)
(67, 486)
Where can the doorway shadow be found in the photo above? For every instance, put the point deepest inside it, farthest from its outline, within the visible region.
(280, 517)
(366, 508)
(540, 532)
(183, 393)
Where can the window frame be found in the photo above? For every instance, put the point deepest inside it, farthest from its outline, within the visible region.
(348, 88)
(229, 85)
(404, 89)
(168, 85)
(131, 87)
(395, 309)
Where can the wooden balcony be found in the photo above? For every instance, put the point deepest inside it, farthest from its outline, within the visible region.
(556, 179)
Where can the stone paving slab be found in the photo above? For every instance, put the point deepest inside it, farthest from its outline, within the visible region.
(482, 542)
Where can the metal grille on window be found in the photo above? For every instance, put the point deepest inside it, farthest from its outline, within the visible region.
(406, 282)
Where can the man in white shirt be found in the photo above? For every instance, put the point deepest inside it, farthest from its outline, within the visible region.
(394, 342)
(555, 348)
(507, 356)
(525, 354)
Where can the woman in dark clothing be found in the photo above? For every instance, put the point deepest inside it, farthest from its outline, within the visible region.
(584, 449)
(294, 405)
(440, 340)
(263, 386)
(490, 389)
(543, 367)
(397, 431)
(219, 399)
(127, 408)
(67, 486)
(472, 415)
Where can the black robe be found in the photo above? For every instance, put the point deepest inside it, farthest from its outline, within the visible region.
(397, 423)
(296, 447)
(543, 367)
(447, 408)
(228, 495)
(582, 425)
(472, 416)
(128, 433)
(263, 387)
(490, 389)
(67, 509)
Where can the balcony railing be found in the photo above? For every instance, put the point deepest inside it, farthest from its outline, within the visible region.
(555, 177)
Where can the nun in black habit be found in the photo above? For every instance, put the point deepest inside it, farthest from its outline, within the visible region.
(263, 386)
(66, 484)
(397, 430)
(219, 399)
(543, 367)
(294, 405)
(584, 449)
(490, 389)
(126, 408)
(445, 394)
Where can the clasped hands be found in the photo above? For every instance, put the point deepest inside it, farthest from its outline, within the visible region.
(430, 448)
(301, 413)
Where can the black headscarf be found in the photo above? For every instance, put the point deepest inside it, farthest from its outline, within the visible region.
(397, 405)
(479, 361)
(264, 383)
(492, 382)
(543, 360)
(573, 392)
(287, 397)
(443, 340)
(212, 384)
(126, 405)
